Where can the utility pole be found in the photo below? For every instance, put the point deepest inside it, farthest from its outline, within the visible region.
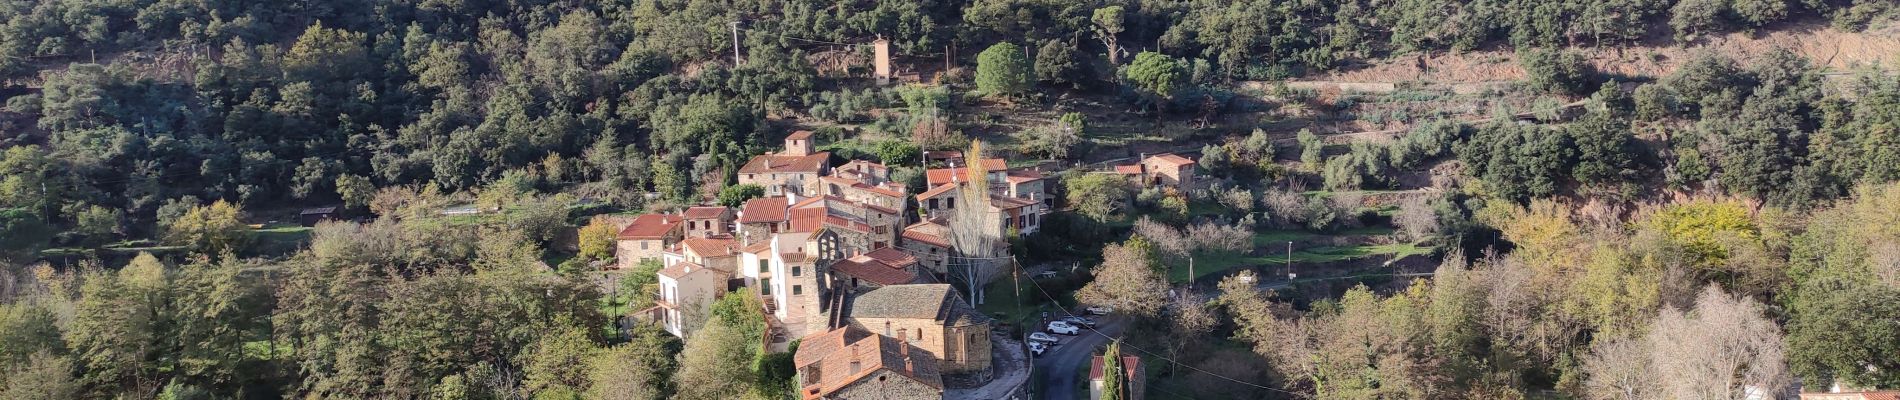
(1289, 261)
(735, 43)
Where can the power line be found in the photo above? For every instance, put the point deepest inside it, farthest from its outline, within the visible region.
(1058, 305)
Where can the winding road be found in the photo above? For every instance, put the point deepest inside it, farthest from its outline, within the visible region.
(1061, 366)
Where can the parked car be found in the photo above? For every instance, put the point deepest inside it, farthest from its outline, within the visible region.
(1101, 310)
(1079, 321)
(1037, 348)
(1046, 274)
(1064, 328)
(1043, 337)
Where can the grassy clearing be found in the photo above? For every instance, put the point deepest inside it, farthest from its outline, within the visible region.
(1213, 264)
(1006, 303)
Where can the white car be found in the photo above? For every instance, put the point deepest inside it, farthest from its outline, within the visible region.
(1037, 348)
(1064, 328)
(1044, 338)
(1101, 310)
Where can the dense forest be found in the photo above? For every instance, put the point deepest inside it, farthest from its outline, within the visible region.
(1572, 258)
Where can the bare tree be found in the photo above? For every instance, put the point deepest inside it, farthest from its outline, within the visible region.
(1190, 318)
(976, 228)
(1416, 218)
(1126, 281)
(1283, 208)
(1618, 369)
(1724, 349)
(1196, 239)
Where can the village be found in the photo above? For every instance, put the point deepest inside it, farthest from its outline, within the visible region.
(871, 288)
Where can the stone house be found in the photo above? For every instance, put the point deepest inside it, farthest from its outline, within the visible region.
(721, 253)
(929, 243)
(1168, 170)
(792, 171)
(760, 218)
(708, 221)
(932, 317)
(646, 238)
(850, 363)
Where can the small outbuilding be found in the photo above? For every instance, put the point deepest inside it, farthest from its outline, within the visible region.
(311, 216)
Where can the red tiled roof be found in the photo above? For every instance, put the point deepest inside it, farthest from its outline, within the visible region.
(925, 238)
(681, 269)
(929, 232)
(758, 248)
(1024, 175)
(711, 247)
(874, 271)
(650, 226)
(863, 165)
(813, 219)
(938, 176)
(936, 191)
(768, 163)
(1128, 169)
(765, 209)
(892, 189)
(799, 135)
(1130, 365)
(844, 365)
(892, 257)
(1171, 159)
(705, 212)
(814, 348)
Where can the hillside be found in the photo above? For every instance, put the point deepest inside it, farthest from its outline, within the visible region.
(684, 199)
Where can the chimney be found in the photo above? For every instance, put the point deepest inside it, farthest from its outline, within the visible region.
(908, 366)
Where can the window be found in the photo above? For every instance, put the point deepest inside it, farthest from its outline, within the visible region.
(765, 287)
(952, 203)
(765, 266)
(795, 270)
(798, 290)
(643, 245)
(933, 204)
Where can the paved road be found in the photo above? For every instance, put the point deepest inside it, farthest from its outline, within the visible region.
(1061, 366)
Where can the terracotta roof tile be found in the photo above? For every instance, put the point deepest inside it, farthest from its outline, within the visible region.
(1024, 175)
(938, 190)
(814, 348)
(758, 248)
(765, 209)
(799, 135)
(769, 163)
(874, 271)
(1171, 159)
(939, 176)
(682, 269)
(1128, 169)
(841, 367)
(1130, 366)
(711, 247)
(650, 226)
(925, 238)
(892, 257)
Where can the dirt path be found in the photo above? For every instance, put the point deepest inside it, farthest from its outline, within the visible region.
(1828, 47)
